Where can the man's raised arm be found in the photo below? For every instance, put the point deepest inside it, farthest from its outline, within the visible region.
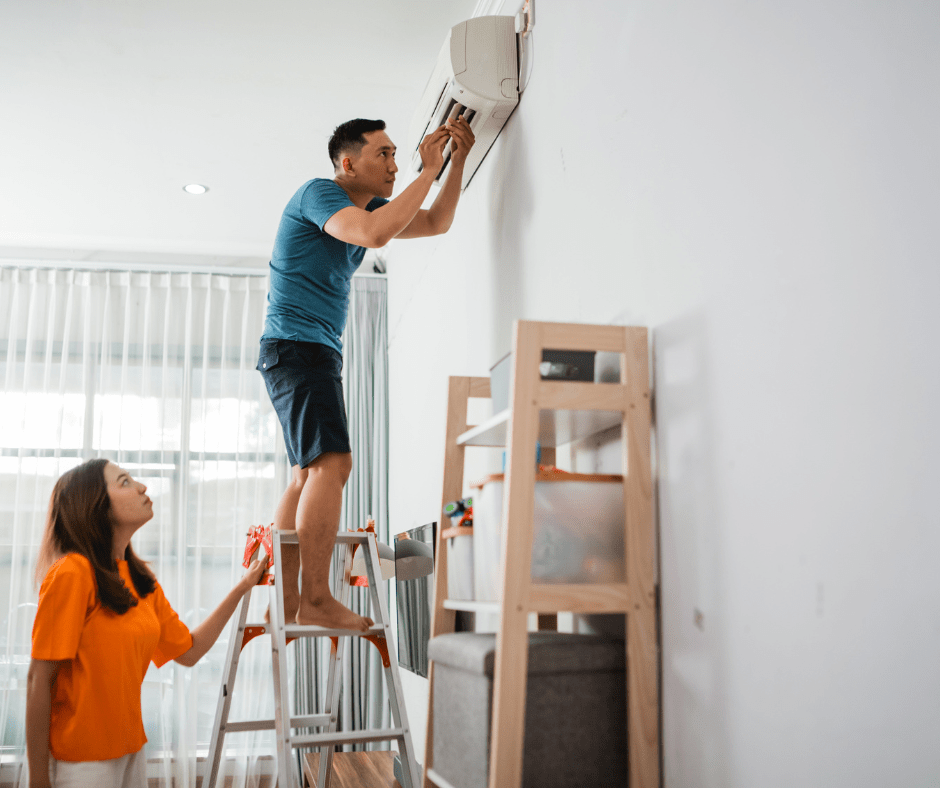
(376, 228)
(439, 218)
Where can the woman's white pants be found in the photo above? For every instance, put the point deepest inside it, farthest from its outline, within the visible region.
(128, 771)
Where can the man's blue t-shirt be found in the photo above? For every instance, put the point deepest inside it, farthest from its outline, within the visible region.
(308, 297)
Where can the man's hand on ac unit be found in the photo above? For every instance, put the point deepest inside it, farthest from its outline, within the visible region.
(462, 137)
(432, 150)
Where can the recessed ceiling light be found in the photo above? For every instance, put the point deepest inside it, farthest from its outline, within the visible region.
(195, 188)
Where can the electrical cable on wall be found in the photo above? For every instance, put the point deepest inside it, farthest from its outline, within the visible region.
(525, 22)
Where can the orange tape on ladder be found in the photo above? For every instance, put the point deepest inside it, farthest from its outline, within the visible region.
(361, 580)
(260, 537)
(252, 632)
(376, 640)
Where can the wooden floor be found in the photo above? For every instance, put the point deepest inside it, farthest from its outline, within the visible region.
(355, 770)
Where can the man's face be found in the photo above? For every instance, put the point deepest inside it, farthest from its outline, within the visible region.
(375, 166)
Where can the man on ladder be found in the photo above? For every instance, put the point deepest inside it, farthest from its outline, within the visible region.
(320, 243)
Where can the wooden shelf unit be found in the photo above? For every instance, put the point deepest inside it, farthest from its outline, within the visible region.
(555, 413)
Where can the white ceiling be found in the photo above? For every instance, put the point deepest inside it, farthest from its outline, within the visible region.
(109, 107)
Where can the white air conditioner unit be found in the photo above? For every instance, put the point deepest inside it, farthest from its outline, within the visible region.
(476, 75)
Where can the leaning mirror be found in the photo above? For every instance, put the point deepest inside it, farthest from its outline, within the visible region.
(414, 585)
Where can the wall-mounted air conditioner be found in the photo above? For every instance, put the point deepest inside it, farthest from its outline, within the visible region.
(476, 75)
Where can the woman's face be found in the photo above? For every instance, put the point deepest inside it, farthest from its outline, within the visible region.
(130, 505)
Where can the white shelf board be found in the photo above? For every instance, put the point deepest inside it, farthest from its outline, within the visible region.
(556, 427)
(472, 607)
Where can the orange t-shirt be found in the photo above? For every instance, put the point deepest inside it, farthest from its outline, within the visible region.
(96, 696)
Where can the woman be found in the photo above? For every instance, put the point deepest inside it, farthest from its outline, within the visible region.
(102, 618)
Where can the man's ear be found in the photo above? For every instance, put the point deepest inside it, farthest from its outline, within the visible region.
(346, 164)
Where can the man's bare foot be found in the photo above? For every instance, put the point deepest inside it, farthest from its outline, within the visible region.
(327, 612)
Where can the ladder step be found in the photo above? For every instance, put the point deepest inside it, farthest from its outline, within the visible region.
(353, 537)
(347, 737)
(306, 721)
(310, 721)
(252, 725)
(311, 631)
(343, 537)
(299, 630)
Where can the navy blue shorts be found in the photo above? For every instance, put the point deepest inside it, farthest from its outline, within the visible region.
(305, 384)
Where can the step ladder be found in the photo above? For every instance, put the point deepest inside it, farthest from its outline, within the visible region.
(282, 633)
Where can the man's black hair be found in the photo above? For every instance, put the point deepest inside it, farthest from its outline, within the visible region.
(349, 137)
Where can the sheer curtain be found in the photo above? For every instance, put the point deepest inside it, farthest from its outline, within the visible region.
(365, 379)
(154, 371)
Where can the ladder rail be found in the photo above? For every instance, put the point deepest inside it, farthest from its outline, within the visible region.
(279, 665)
(225, 692)
(337, 649)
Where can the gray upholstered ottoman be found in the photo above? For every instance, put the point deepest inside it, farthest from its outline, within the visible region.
(576, 710)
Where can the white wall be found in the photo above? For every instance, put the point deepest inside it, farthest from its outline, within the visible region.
(755, 182)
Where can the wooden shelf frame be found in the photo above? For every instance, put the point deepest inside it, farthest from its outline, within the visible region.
(533, 403)
(472, 606)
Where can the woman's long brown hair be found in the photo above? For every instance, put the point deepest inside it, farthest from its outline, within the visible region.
(79, 521)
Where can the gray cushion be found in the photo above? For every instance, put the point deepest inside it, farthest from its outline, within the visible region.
(549, 652)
